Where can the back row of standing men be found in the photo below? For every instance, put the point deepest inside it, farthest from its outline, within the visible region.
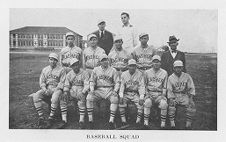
(142, 86)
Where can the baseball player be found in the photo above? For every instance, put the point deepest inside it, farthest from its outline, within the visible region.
(118, 56)
(181, 90)
(156, 81)
(51, 81)
(70, 52)
(77, 85)
(106, 83)
(132, 88)
(91, 54)
(143, 53)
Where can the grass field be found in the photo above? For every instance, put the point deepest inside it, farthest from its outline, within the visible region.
(25, 69)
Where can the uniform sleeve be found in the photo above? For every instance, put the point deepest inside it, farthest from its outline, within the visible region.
(135, 37)
(141, 88)
(42, 80)
(62, 79)
(67, 84)
(93, 80)
(122, 86)
(170, 93)
(86, 82)
(165, 84)
(116, 81)
(191, 86)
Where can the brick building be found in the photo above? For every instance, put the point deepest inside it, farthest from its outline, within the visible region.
(32, 36)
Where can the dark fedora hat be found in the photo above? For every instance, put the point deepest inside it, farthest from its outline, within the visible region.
(172, 39)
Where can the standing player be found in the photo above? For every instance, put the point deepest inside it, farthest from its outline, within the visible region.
(156, 81)
(70, 52)
(118, 56)
(51, 82)
(143, 54)
(104, 84)
(91, 54)
(77, 85)
(181, 90)
(132, 89)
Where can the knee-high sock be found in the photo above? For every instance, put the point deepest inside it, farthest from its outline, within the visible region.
(163, 115)
(122, 111)
(172, 111)
(90, 110)
(39, 109)
(63, 108)
(53, 110)
(147, 111)
(82, 114)
(113, 109)
(139, 114)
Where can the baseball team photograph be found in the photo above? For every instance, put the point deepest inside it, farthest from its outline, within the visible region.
(113, 69)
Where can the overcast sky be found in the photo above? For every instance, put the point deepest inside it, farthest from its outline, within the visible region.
(196, 29)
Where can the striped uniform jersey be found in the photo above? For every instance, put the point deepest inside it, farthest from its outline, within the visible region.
(54, 77)
(143, 56)
(156, 81)
(74, 81)
(68, 53)
(91, 57)
(104, 78)
(182, 85)
(132, 83)
(119, 59)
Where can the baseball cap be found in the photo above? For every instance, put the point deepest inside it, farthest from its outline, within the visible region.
(74, 60)
(117, 37)
(104, 56)
(91, 36)
(100, 21)
(156, 57)
(143, 34)
(132, 62)
(178, 63)
(69, 34)
(53, 55)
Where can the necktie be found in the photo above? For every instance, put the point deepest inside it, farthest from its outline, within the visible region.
(174, 51)
(102, 34)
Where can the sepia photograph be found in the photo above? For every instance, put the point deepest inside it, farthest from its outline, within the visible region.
(113, 69)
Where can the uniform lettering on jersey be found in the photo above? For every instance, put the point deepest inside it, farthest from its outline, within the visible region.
(132, 83)
(146, 56)
(88, 57)
(71, 56)
(119, 59)
(155, 79)
(180, 84)
(106, 78)
(76, 81)
(52, 76)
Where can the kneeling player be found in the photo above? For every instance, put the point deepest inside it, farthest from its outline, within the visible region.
(132, 89)
(181, 90)
(77, 84)
(156, 81)
(106, 83)
(51, 82)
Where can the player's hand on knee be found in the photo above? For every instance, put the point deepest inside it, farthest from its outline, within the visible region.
(172, 102)
(141, 102)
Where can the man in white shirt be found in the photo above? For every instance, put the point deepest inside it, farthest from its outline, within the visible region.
(128, 33)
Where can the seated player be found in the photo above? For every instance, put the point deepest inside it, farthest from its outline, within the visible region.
(51, 82)
(156, 81)
(181, 90)
(77, 85)
(104, 84)
(132, 88)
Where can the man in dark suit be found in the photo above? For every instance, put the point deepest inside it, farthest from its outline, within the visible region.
(105, 38)
(171, 55)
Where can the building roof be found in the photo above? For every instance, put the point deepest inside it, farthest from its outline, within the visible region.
(43, 30)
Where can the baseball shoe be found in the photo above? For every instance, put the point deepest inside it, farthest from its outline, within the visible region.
(163, 126)
(188, 125)
(49, 123)
(91, 125)
(62, 125)
(41, 123)
(81, 125)
(111, 126)
(146, 127)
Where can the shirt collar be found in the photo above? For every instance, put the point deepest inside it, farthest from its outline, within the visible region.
(101, 31)
(171, 51)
